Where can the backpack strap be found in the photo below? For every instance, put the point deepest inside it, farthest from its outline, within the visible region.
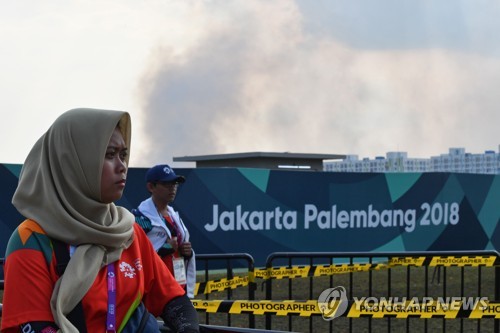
(142, 220)
(76, 316)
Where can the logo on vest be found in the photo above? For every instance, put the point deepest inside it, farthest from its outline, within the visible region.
(127, 270)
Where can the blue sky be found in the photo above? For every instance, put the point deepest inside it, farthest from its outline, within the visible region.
(212, 77)
(393, 24)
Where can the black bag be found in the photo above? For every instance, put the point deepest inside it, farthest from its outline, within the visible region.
(141, 322)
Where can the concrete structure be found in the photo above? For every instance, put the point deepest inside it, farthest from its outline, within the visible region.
(457, 160)
(267, 160)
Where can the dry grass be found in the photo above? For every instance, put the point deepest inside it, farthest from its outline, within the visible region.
(383, 283)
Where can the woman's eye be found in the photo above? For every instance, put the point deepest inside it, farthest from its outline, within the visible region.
(123, 155)
(115, 153)
(110, 155)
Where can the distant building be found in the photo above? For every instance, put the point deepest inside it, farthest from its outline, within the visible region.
(457, 160)
(266, 160)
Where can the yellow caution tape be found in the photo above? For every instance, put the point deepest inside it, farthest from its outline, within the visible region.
(491, 310)
(222, 284)
(356, 309)
(209, 306)
(327, 270)
(279, 308)
(282, 272)
(404, 310)
(406, 261)
(464, 261)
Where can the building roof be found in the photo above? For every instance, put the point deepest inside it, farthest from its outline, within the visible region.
(268, 160)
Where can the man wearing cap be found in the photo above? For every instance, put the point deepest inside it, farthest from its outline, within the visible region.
(165, 228)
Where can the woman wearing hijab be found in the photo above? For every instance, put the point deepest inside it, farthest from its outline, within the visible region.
(66, 190)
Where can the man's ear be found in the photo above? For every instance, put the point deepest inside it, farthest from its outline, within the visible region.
(150, 186)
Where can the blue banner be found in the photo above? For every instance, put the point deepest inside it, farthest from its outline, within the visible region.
(259, 211)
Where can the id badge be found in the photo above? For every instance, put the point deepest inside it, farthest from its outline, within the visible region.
(179, 270)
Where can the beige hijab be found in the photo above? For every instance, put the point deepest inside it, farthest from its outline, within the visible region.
(59, 187)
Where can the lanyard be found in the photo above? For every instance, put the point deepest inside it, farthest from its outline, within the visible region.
(111, 317)
(174, 226)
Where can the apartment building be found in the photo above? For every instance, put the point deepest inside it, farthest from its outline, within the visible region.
(456, 160)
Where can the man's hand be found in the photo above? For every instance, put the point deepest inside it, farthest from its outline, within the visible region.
(173, 243)
(185, 249)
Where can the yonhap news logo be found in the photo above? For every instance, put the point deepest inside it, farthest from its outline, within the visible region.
(333, 302)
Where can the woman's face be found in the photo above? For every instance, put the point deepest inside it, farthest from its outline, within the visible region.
(114, 170)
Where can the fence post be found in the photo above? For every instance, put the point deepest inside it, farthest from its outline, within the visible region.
(497, 295)
(269, 290)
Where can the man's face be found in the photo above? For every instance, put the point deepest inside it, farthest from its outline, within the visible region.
(166, 191)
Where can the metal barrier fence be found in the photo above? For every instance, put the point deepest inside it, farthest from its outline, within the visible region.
(456, 275)
(287, 299)
(218, 285)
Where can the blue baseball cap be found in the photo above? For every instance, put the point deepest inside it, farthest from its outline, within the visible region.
(163, 173)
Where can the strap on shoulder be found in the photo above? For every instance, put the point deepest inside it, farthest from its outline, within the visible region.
(142, 220)
(62, 255)
(76, 316)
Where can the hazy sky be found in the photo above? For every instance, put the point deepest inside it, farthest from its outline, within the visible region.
(228, 76)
